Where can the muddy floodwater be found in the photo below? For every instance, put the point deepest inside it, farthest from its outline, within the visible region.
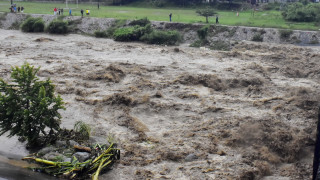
(183, 113)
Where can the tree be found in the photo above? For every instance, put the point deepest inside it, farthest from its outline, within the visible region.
(29, 107)
(207, 12)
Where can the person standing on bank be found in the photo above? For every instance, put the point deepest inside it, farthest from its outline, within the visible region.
(55, 11)
(170, 16)
(217, 20)
(70, 12)
(81, 12)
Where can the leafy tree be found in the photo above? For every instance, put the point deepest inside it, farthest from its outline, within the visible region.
(28, 107)
(207, 12)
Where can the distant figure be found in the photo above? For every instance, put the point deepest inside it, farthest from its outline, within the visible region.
(217, 20)
(59, 11)
(87, 12)
(55, 11)
(14, 9)
(170, 16)
(81, 12)
(62, 11)
(22, 8)
(19, 9)
(70, 12)
(98, 5)
(237, 13)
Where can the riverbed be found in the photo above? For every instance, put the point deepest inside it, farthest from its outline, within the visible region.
(181, 112)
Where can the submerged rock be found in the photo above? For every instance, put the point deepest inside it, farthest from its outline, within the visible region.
(61, 143)
(46, 150)
(191, 157)
(54, 156)
(82, 156)
(72, 143)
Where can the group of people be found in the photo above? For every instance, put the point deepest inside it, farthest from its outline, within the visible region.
(217, 18)
(15, 9)
(87, 12)
(60, 12)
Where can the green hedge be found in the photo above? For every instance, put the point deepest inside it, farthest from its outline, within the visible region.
(33, 25)
(58, 27)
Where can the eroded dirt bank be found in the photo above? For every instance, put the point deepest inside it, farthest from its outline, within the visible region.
(180, 112)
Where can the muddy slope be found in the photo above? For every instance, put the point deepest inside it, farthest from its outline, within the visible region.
(180, 112)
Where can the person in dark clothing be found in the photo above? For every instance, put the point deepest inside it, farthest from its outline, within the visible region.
(170, 15)
(81, 12)
(19, 9)
(62, 11)
(217, 20)
(22, 8)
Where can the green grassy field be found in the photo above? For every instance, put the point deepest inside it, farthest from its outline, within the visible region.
(185, 15)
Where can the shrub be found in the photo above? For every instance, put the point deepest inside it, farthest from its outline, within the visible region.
(117, 24)
(100, 34)
(140, 22)
(200, 43)
(257, 37)
(58, 27)
(38, 26)
(131, 33)
(162, 37)
(272, 6)
(302, 13)
(220, 45)
(15, 25)
(83, 130)
(28, 107)
(33, 25)
(124, 34)
(203, 32)
(285, 34)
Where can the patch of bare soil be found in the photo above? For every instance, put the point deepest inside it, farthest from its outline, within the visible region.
(248, 113)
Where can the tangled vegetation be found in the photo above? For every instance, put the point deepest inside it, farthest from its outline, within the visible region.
(102, 157)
